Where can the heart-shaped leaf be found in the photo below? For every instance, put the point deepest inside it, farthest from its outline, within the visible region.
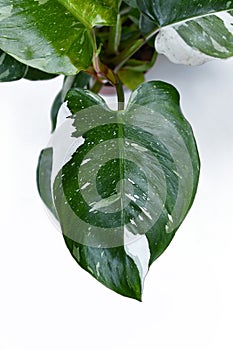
(44, 35)
(192, 32)
(123, 182)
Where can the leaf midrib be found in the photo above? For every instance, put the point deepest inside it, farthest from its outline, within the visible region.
(194, 18)
(74, 12)
(121, 142)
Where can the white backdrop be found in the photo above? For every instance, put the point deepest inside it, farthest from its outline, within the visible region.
(48, 302)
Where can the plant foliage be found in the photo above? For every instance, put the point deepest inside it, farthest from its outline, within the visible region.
(119, 183)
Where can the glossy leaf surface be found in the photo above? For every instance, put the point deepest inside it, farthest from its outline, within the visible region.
(44, 35)
(93, 12)
(192, 32)
(124, 182)
(173, 11)
(80, 80)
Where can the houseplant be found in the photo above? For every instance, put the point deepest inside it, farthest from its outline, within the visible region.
(137, 168)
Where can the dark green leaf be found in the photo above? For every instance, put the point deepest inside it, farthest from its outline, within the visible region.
(128, 183)
(132, 3)
(78, 99)
(112, 267)
(44, 171)
(146, 26)
(36, 74)
(173, 11)
(55, 109)
(44, 35)
(81, 80)
(10, 68)
(178, 155)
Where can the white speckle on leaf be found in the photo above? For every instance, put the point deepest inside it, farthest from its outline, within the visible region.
(105, 202)
(132, 182)
(138, 147)
(97, 268)
(170, 218)
(133, 222)
(131, 197)
(90, 269)
(42, 2)
(85, 185)
(145, 211)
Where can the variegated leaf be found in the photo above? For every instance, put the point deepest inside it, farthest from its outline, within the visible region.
(192, 32)
(122, 182)
(44, 35)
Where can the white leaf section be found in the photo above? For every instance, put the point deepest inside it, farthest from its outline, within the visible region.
(139, 251)
(227, 19)
(64, 146)
(169, 43)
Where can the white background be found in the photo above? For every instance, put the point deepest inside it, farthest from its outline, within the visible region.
(48, 302)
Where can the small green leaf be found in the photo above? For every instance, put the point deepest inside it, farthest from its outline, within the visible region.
(55, 109)
(78, 99)
(80, 80)
(10, 68)
(93, 12)
(126, 184)
(44, 35)
(44, 171)
(131, 78)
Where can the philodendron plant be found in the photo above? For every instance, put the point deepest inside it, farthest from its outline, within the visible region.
(118, 182)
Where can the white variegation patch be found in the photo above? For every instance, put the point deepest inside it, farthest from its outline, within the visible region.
(169, 42)
(64, 146)
(139, 251)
